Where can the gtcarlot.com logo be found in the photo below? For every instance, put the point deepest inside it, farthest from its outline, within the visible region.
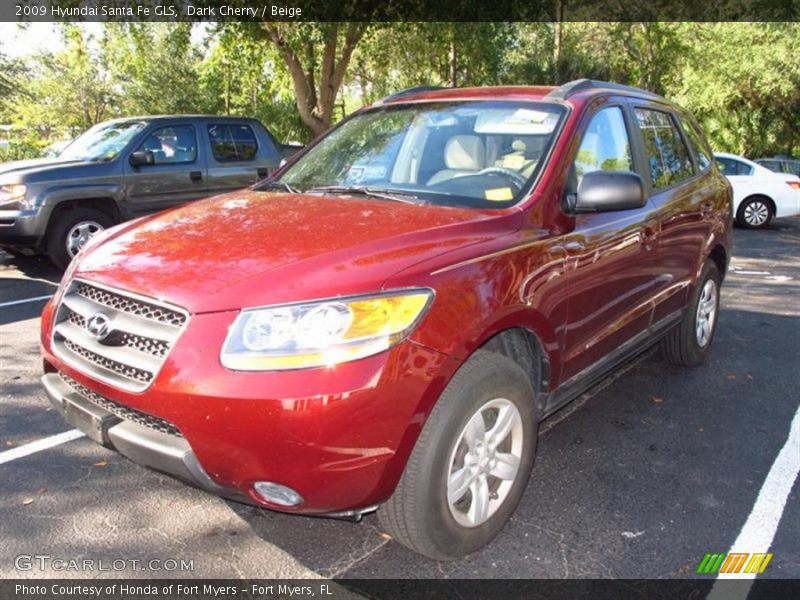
(734, 562)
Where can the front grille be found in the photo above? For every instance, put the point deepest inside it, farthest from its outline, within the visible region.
(123, 412)
(132, 346)
(111, 365)
(126, 304)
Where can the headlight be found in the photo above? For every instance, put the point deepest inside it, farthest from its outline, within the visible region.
(12, 192)
(324, 333)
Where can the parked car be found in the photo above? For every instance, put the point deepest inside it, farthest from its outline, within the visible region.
(759, 195)
(320, 345)
(781, 164)
(127, 168)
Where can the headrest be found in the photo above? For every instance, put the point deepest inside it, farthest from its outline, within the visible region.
(465, 152)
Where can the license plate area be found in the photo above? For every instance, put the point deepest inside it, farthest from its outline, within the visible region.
(90, 419)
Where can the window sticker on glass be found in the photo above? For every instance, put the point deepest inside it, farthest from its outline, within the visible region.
(521, 121)
(500, 194)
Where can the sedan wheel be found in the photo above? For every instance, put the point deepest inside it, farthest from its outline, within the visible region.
(754, 213)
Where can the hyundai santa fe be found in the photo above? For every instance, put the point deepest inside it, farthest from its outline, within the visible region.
(384, 322)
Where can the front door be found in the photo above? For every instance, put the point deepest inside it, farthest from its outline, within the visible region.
(178, 175)
(611, 255)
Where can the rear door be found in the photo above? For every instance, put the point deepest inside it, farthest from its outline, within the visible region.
(239, 154)
(179, 172)
(682, 197)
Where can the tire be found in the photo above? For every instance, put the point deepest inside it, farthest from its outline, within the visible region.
(684, 345)
(63, 233)
(419, 515)
(754, 213)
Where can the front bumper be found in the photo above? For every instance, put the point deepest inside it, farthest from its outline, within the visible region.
(338, 436)
(144, 445)
(22, 228)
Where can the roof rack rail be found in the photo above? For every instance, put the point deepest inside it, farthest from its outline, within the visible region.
(411, 90)
(579, 85)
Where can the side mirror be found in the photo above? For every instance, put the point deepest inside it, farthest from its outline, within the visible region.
(601, 191)
(142, 158)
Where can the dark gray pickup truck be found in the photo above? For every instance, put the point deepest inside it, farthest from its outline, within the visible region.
(127, 168)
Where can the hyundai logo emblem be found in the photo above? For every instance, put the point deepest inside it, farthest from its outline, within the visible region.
(98, 326)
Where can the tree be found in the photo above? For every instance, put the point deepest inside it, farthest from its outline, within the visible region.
(742, 80)
(155, 64)
(316, 56)
(240, 75)
(66, 90)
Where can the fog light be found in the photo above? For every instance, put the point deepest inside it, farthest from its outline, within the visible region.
(276, 493)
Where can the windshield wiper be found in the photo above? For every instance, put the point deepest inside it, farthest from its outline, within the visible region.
(371, 192)
(275, 184)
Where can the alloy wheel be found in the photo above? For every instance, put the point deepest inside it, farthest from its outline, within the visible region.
(485, 462)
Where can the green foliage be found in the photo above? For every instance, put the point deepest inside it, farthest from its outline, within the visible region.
(155, 64)
(742, 80)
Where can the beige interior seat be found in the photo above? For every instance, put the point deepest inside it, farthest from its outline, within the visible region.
(463, 155)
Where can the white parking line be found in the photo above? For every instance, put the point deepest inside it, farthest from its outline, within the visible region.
(759, 529)
(39, 445)
(36, 299)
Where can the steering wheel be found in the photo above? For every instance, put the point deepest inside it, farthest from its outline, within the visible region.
(520, 180)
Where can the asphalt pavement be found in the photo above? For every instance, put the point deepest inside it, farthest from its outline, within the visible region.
(639, 478)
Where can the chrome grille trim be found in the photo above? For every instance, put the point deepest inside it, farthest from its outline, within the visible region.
(126, 304)
(141, 333)
(123, 412)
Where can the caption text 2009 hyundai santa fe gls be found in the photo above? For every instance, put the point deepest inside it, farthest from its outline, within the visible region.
(385, 322)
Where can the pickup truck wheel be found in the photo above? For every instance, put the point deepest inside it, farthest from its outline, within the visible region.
(688, 342)
(471, 463)
(754, 213)
(70, 232)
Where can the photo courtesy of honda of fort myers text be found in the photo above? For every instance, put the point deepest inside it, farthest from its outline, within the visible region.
(317, 300)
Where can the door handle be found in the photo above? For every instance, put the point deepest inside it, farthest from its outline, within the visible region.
(263, 173)
(196, 176)
(648, 234)
(706, 208)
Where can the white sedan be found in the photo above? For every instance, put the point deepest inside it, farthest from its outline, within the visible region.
(759, 195)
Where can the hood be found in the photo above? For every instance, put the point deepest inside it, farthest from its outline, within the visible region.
(253, 248)
(20, 168)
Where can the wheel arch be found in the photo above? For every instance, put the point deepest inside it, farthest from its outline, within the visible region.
(720, 257)
(104, 204)
(773, 207)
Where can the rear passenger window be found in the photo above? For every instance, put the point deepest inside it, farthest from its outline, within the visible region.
(232, 142)
(703, 159)
(729, 166)
(666, 154)
(605, 145)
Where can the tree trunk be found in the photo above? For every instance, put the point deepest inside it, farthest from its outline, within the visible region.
(316, 99)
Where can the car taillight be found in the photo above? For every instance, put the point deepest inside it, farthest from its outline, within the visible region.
(794, 184)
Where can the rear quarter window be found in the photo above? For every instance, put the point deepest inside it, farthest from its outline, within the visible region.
(700, 148)
(232, 142)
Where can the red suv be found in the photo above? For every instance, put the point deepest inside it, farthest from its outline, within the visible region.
(384, 323)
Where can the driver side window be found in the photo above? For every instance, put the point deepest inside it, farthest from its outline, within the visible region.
(605, 144)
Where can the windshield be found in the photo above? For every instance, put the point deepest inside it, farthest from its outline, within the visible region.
(102, 142)
(480, 154)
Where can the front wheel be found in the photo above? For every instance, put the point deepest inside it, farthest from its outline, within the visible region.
(754, 213)
(71, 230)
(470, 464)
(687, 344)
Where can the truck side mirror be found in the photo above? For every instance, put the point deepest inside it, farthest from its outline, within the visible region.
(142, 158)
(602, 191)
